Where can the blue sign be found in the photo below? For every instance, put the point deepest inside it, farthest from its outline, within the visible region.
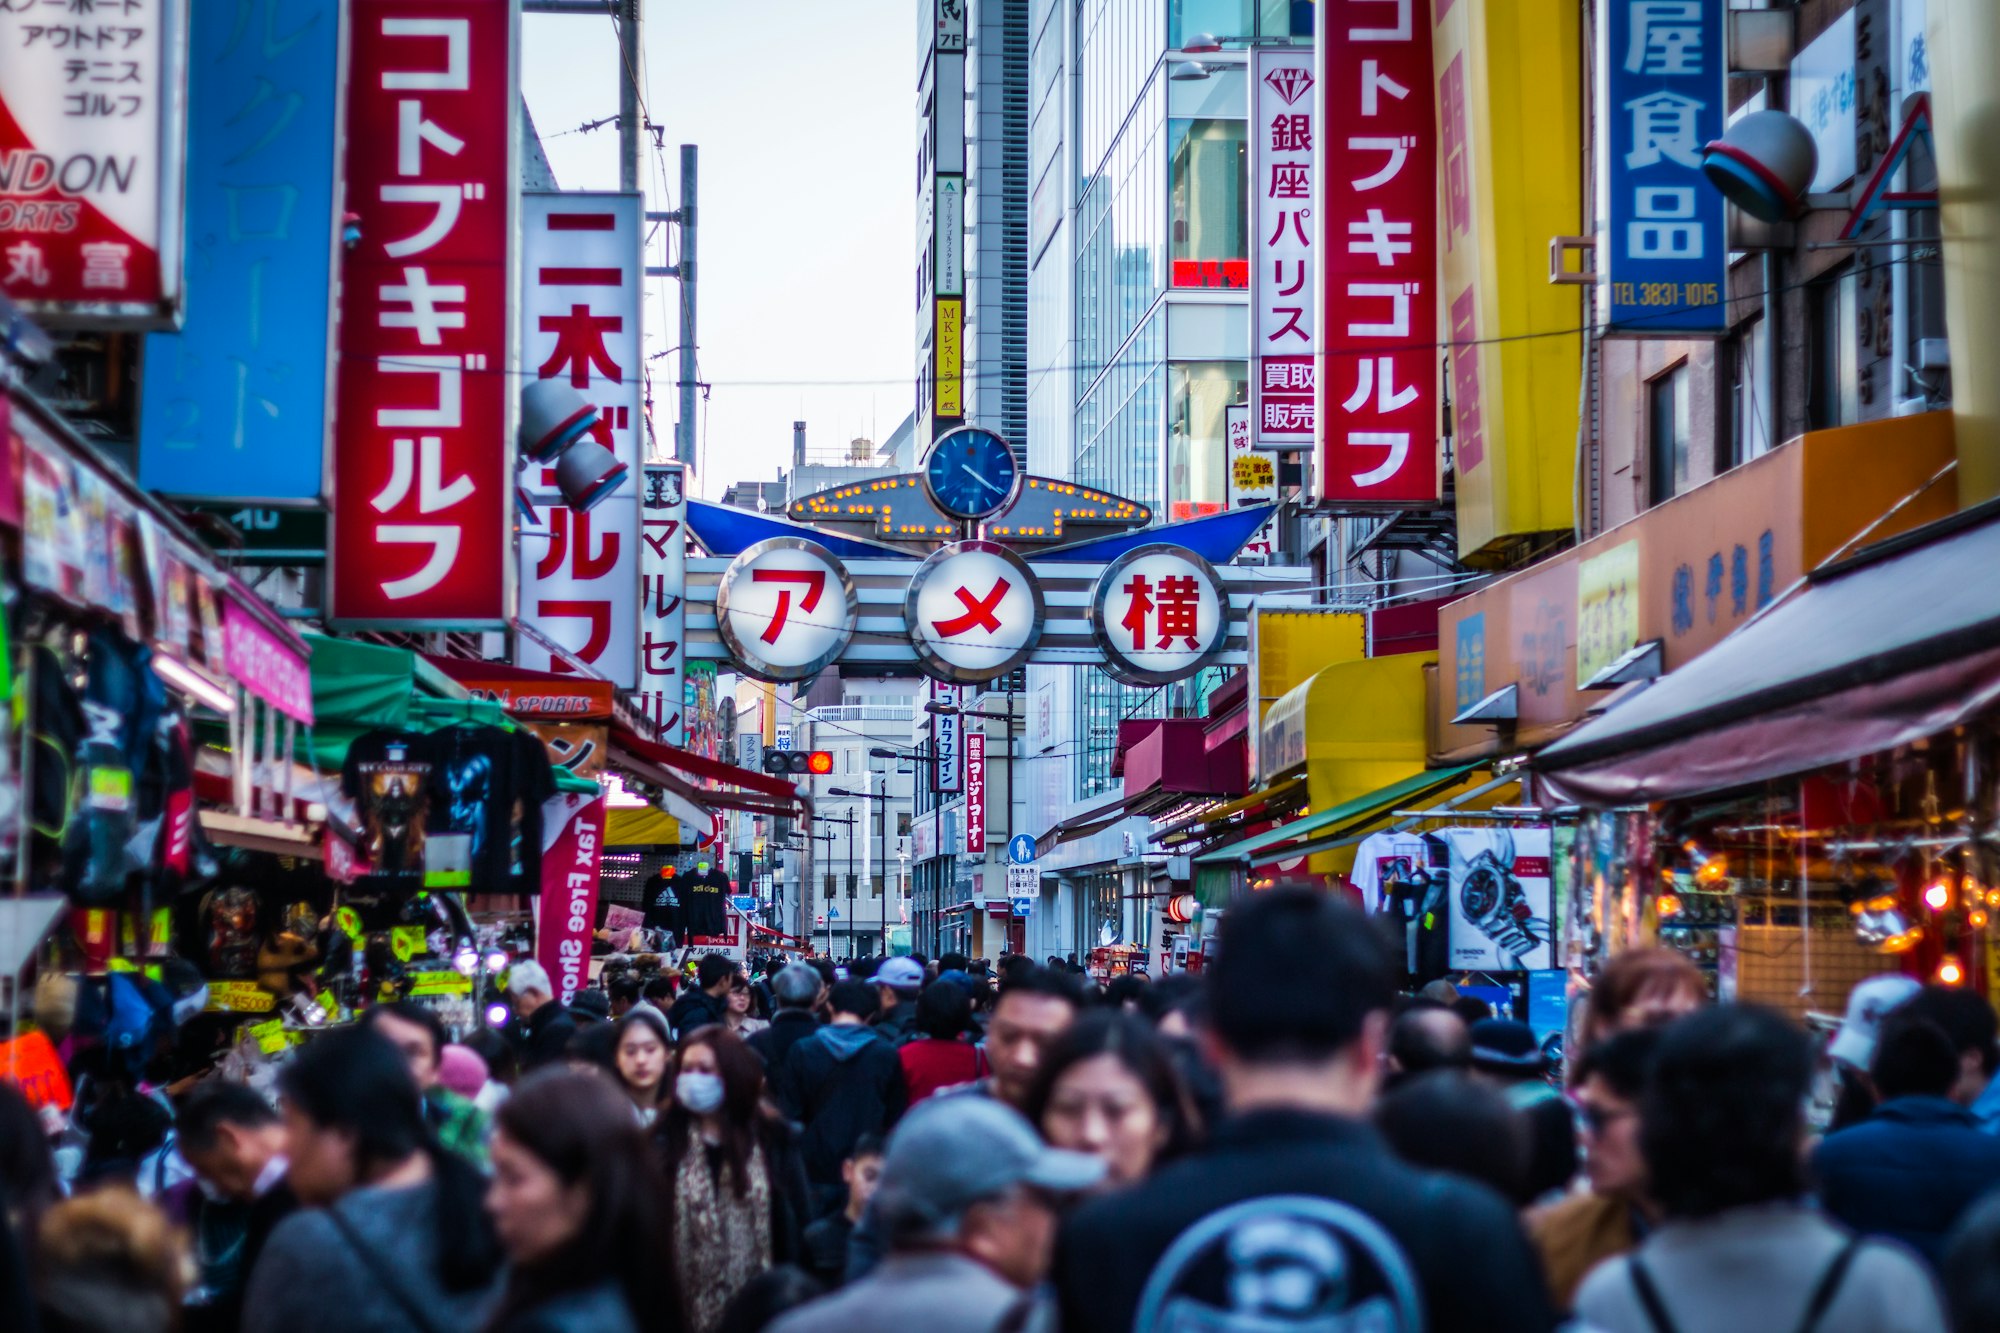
(234, 406)
(744, 903)
(1471, 654)
(1666, 255)
(1021, 850)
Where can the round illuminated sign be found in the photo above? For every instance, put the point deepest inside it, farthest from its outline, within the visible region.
(786, 608)
(974, 611)
(1159, 613)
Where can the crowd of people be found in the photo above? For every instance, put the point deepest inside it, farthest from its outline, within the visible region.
(1283, 1142)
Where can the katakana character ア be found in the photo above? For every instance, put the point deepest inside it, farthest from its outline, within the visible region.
(597, 614)
(1398, 444)
(978, 612)
(567, 530)
(580, 345)
(1666, 37)
(442, 538)
(1396, 146)
(423, 300)
(1291, 134)
(1179, 610)
(1663, 129)
(1372, 372)
(814, 582)
(1377, 237)
(420, 462)
(1398, 294)
(25, 263)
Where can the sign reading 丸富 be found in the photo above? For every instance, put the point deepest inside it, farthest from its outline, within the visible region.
(1376, 386)
(973, 611)
(91, 128)
(422, 461)
(786, 608)
(580, 324)
(1159, 613)
(662, 606)
(1283, 284)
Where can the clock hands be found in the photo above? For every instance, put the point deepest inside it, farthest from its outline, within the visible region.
(967, 469)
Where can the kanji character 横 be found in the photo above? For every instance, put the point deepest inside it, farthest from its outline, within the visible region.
(812, 580)
(1141, 591)
(1179, 611)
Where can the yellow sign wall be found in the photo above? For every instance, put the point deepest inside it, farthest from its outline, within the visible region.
(950, 348)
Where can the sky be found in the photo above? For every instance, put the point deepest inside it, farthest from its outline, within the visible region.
(805, 114)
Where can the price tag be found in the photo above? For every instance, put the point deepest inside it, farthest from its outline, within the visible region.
(406, 942)
(441, 983)
(239, 997)
(111, 789)
(270, 1035)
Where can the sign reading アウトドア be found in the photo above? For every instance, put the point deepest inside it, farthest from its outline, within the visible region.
(421, 466)
(91, 128)
(1377, 220)
(786, 608)
(1284, 284)
(1159, 613)
(974, 611)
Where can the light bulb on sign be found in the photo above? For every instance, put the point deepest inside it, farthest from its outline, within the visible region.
(1949, 973)
(1937, 896)
(497, 1015)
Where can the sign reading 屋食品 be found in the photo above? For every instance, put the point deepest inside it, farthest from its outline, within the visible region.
(90, 160)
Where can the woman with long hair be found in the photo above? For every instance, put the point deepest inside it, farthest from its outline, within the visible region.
(740, 1199)
(581, 1211)
(1108, 1087)
(642, 1048)
(394, 1235)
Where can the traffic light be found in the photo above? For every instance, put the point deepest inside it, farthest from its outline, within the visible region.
(794, 762)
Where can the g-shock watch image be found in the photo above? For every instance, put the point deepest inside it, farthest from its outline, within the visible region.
(1492, 900)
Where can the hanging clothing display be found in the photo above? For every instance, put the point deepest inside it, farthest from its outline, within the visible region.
(389, 775)
(1394, 857)
(488, 786)
(704, 895)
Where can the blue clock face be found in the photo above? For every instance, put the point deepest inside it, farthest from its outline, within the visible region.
(971, 473)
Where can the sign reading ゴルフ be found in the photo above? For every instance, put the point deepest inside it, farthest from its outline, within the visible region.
(1377, 222)
(90, 135)
(974, 611)
(1158, 612)
(580, 325)
(786, 608)
(1284, 285)
(421, 459)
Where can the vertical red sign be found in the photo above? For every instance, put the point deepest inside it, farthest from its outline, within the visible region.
(566, 915)
(422, 446)
(1377, 384)
(975, 794)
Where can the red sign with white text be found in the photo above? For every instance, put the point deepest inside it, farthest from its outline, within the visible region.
(1377, 381)
(423, 443)
(572, 842)
(975, 794)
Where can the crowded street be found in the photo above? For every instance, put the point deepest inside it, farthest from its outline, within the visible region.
(1340, 673)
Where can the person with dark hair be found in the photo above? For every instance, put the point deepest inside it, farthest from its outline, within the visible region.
(826, 1240)
(1471, 1009)
(503, 1066)
(739, 1009)
(415, 1029)
(28, 1180)
(772, 1293)
(740, 1197)
(235, 1143)
(1974, 1030)
(623, 991)
(953, 962)
(641, 1051)
(937, 1055)
(1971, 1269)
(842, 1082)
(797, 989)
(1913, 1168)
(1580, 1231)
(579, 1207)
(1297, 1213)
(1721, 1124)
(897, 982)
(1108, 1087)
(1034, 1007)
(659, 992)
(1506, 1054)
(1426, 1036)
(394, 1223)
(707, 1001)
(1449, 1121)
(546, 1027)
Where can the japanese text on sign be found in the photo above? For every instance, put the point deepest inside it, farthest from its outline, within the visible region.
(1159, 613)
(947, 735)
(1252, 478)
(1285, 286)
(975, 794)
(662, 590)
(1376, 386)
(421, 463)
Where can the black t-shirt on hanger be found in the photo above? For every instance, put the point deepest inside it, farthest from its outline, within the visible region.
(490, 785)
(391, 777)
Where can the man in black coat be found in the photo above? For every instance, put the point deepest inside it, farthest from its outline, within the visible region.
(707, 1001)
(842, 1082)
(546, 1025)
(797, 990)
(236, 1144)
(1298, 1212)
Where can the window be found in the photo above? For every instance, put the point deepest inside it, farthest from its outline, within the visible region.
(902, 823)
(1197, 433)
(1210, 182)
(1220, 19)
(1285, 18)
(1833, 387)
(1667, 424)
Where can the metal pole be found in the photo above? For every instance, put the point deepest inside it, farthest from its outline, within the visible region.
(850, 886)
(630, 131)
(684, 441)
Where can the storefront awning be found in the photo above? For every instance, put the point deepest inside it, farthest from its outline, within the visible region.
(1268, 844)
(755, 792)
(1279, 798)
(1091, 819)
(1897, 643)
(642, 828)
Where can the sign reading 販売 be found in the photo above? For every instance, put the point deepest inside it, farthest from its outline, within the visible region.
(1661, 70)
(580, 324)
(1283, 283)
(975, 794)
(1376, 386)
(786, 608)
(1159, 613)
(973, 611)
(91, 130)
(662, 590)
(421, 467)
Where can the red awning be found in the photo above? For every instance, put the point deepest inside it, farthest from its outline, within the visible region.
(758, 793)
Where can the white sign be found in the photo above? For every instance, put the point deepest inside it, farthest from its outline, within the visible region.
(580, 290)
(1159, 613)
(663, 611)
(1914, 73)
(786, 608)
(1024, 880)
(975, 795)
(1823, 96)
(950, 235)
(1284, 132)
(974, 611)
(951, 25)
(1252, 478)
(1499, 898)
(947, 739)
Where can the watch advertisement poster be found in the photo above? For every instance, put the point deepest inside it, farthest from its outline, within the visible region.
(1500, 900)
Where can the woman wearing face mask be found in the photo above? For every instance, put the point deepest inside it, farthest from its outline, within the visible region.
(580, 1208)
(1108, 1087)
(739, 1190)
(642, 1049)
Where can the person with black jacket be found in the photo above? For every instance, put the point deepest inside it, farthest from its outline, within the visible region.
(707, 1000)
(546, 1025)
(235, 1142)
(797, 990)
(842, 1082)
(1298, 1212)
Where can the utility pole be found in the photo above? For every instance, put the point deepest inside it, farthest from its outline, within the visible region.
(627, 15)
(685, 218)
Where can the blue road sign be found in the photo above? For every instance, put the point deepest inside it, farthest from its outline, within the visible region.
(1021, 850)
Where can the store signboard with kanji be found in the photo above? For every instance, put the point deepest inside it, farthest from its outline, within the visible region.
(1252, 478)
(580, 295)
(786, 608)
(662, 600)
(92, 123)
(1376, 388)
(975, 795)
(1662, 72)
(974, 611)
(424, 424)
(1284, 282)
(947, 739)
(1160, 613)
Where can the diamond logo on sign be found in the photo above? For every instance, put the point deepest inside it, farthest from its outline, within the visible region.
(1289, 82)
(1160, 613)
(974, 612)
(786, 608)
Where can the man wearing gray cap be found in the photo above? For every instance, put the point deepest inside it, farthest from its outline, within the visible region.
(968, 1202)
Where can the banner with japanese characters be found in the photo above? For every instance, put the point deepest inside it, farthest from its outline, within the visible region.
(1252, 479)
(1284, 287)
(662, 605)
(580, 299)
(1376, 388)
(423, 448)
(91, 129)
(1661, 73)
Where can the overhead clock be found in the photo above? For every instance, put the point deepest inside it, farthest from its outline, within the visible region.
(970, 473)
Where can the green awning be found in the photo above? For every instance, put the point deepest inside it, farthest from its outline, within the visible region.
(1357, 811)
